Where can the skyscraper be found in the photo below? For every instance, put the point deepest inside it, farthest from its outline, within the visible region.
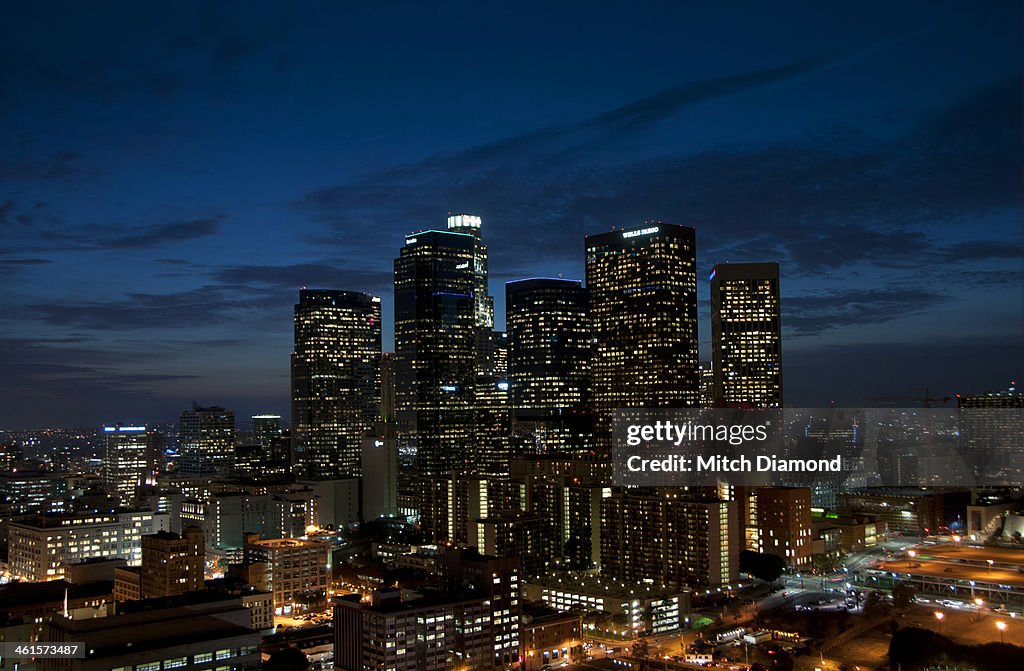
(549, 365)
(207, 440)
(436, 348)
(746, 334)
(483, 309)
(266, 429)
(642, 287)
(335, 380)
(126, 460)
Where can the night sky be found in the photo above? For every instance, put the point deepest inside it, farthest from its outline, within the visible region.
(170, 179)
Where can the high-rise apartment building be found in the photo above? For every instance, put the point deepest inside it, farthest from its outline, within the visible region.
(126, 461)
(746, 335)
(642, 287)
(436, 348)
(549, 366)
(784, 523)
(335, 380)
(660, 535)
(207, 440)
(173, 563)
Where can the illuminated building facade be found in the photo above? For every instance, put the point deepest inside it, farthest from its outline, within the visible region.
(43, 548)
(657, 534)
(173, 563)
(425, 634)
(549, 366)
(746, 335)
(784, 523)
(207, 440)
(483, 303)
(436, 355)
(295, 571)
(491, 426)
(642, 286)
(335, 380)
(266, 430)
(126, 461)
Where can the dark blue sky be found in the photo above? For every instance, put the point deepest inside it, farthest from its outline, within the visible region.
(169, 179)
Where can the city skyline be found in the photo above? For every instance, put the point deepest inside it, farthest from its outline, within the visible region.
(154, 248)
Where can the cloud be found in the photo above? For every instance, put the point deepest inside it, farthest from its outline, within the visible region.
(22, 167)
(202, 306)
(53, 234)
(829, 201)
(320, 275)
(159, 234)
(812, 314)
(979, 250)
(88, 383)
(16, 263)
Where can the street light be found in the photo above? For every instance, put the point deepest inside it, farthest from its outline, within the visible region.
(1001, 626)
(990, 562)
(911, 554)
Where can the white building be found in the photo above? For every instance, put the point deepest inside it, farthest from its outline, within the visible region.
(41, 550)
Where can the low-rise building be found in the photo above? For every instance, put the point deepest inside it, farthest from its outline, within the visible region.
(550, 637)
(41, 549)
(161, 634)
(641, 606)
(295, 571)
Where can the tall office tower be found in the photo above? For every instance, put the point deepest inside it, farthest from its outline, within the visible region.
(173, 563)
(387, 386)
(746, 334)
(655, 535)
(491, 426)
(483, 309)
(335, 380)
(380, 475)
(991, 426)
(549, 366)
(266, 430)
(379, 457)
(207, 440)
(707, 385)
(642, 286)
(156, 451)
(436, 349)
(501, 354)
(126, 462)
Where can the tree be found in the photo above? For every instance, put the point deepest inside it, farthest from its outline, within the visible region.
(289, 659)
(903, 595)
(875, 605)
(762, 566)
